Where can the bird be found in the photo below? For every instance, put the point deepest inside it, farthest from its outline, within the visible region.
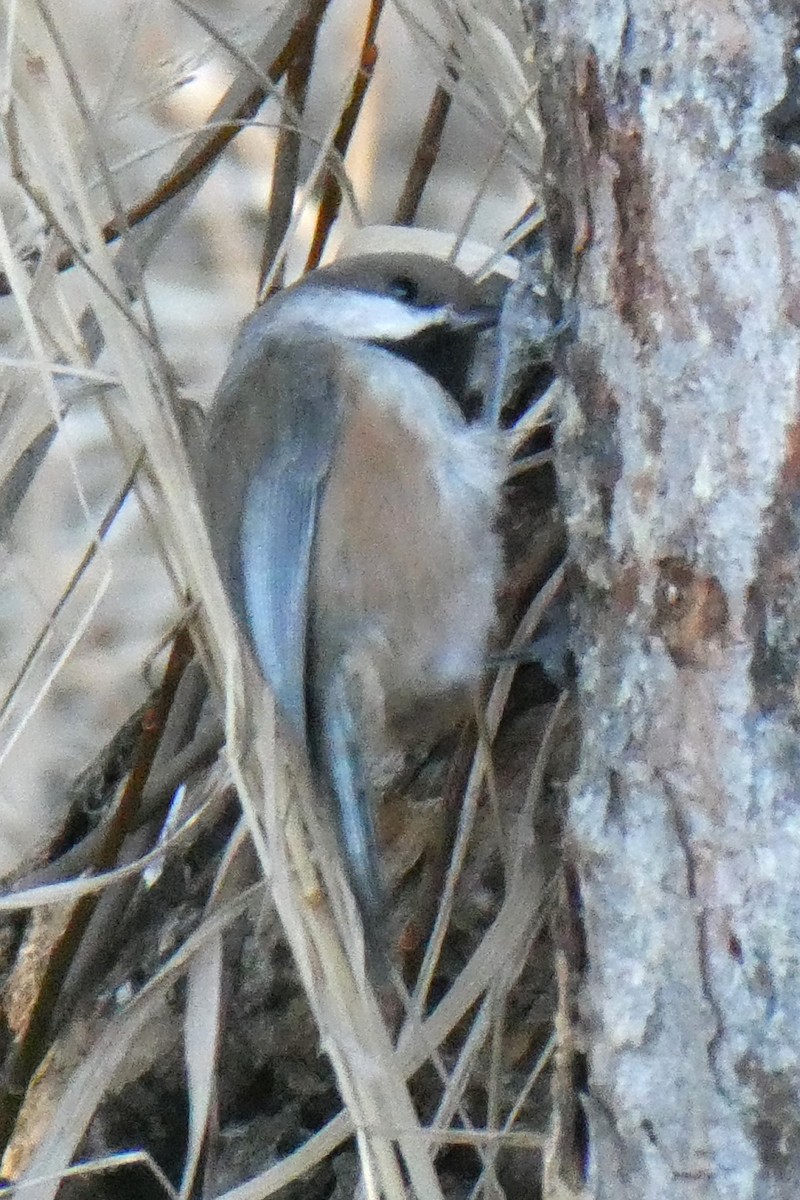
(352, 508)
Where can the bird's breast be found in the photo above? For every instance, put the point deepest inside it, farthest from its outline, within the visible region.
(407, 556)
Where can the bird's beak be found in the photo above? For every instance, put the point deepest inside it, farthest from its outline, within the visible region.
(482, 316)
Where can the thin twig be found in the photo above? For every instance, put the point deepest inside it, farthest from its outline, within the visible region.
(188, 172)
(430, 141)
(287, 157)
(332, 192)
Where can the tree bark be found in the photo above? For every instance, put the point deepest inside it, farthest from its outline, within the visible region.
(671, 195)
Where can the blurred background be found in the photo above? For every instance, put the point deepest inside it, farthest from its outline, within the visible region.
(76, 664)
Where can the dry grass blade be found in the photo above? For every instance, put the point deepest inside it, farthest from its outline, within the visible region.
(59, 220)
(361, 1093)
(201, 1038)
(98, 1166)
(15, 485)
(94, 1078)
(74, 636)
(492, 166)
(295, 1165)
(454, 1082)
(242, 102)
(340, 996)
(295, 62)
(32, 1047)
(203, 1020)
(19, 284)
(531, 462)
(66, 891)
(110, 302)
(78, 574)
(504, 1136)
(485, 70)
(451, 1101)
(497, 954)
(335, 166)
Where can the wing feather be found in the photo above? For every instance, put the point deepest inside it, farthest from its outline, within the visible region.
(273, 433)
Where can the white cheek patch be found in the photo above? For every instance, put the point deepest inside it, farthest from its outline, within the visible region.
(367, 317)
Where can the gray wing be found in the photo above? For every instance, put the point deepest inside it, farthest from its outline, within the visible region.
(274, 428)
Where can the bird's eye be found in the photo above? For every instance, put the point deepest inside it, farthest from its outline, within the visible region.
(404, 288)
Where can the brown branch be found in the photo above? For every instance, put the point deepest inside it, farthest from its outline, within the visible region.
(217, 141)
(428, 147)
(287, 154)
(332, 192)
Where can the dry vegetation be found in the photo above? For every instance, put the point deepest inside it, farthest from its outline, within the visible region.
(185, 1010)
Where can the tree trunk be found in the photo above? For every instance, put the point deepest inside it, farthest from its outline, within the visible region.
(671, 193)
